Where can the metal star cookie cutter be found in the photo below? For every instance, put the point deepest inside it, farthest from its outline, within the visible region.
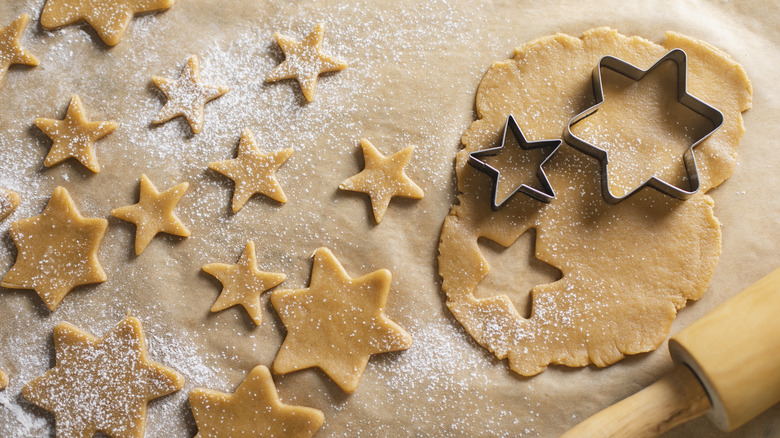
(621, 67)
(546, 194)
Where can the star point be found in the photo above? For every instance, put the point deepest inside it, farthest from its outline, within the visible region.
(11, 51)
(3, 380)
(9, 201)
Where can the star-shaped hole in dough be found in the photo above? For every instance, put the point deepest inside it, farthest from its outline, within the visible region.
(9, 200)
(57, 250)
(109, 18)
(253, 172)
(11, 51)
(186, 96)
(101, 384)
(383, 178)
(3, 380)
(74, 136)
(304, 61)
(336, 323)
(153, 213)
(243, 283)
(254, 410)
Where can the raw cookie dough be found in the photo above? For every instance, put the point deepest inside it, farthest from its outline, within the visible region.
(253, 410)
(626, 268)
(57, 250)
(11, 51)
(9, 201)
(3, 380)
(101, 384)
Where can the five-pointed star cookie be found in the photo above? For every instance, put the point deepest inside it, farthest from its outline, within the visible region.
(101, 384)
(11, 51)
(153, 213)
(304, 61)
(3, 380)
(336, 323)
(186, 96)
(9, 200)
(57, 250)
(382, 178)
(254, 410)
(243, 283)
(74, 136)
(109, 18)
(253, 172)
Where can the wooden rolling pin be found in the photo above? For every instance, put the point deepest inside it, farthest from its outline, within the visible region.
(727, 366)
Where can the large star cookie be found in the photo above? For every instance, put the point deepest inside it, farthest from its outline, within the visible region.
(254, 410)
(9, 200)
(383, 178)
(253, 172)
(57, 250)
(153, 213)
(243, 283)
(336, 323)
(109, 18)
(74, 136)
(11, 51)
(304, 61)
(101, 385)
(186, 96)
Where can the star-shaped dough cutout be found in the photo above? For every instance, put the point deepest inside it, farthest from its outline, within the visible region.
(383, 178)
(243, 283)
(3, 380)
(336, 323)
(254, 410)
(187, 96)
(9, 200)
(253, 172)
(11, 51)
(109, 18)
(153, 213)
(304, 61)
(57, 250)
(101, 384)
(74, 136)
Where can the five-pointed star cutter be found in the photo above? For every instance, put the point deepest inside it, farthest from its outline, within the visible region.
(545, 194)
(623, 68)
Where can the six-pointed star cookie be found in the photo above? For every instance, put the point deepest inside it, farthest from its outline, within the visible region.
(254, 410)
(57, 250)
(382, 178)
(101, 384)
(9, 200)
(253, 172)
(74, 136)
(3, 380)
(109, 18)
(11, 51)
(186, 96)
(243, 283)
(304, 61)
(336, 323)
(153, 213)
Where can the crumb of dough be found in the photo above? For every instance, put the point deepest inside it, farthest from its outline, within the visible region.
(243, 283)
(74, 136)
(337, 322)
(626, 268)
(109, 18)
(3, 380)
(253, 171)
(187, 96)
(304, 61)
(11, 51)
(383, 178)
(101, 384)
(253, 410)
(57, 250)
(154, 213)
(9, 201)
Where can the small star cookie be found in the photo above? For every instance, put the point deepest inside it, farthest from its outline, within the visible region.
(109, 18)
(253, 172)
(254, 410)
(186, 96)
(304, 61)
(57, 250)
(74, 136)
(11, 51)
(243, 283)
(383, 178)
(9, 200)
(101, 385)
(3, 380)
(336, 323)
(153, 213)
